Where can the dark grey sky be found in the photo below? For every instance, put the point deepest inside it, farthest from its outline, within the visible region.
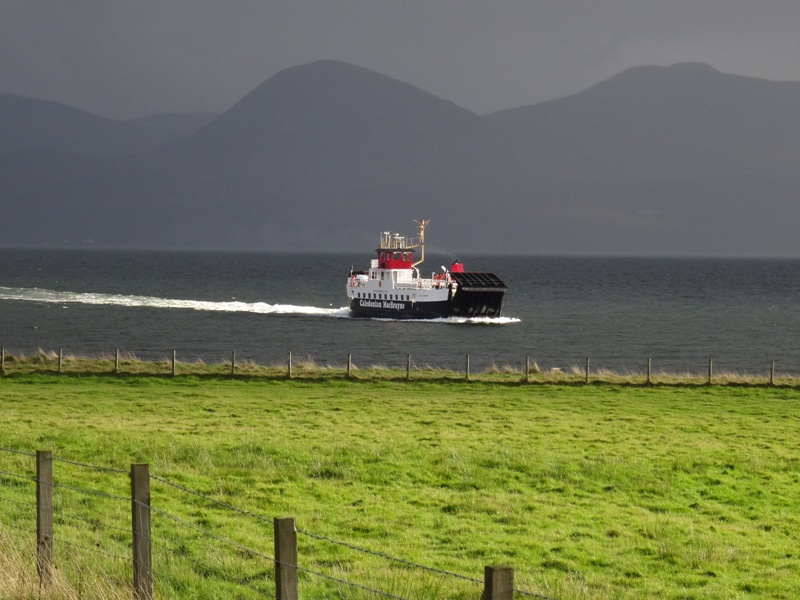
(122, 58)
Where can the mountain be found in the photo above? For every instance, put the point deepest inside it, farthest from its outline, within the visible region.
(30, 125)
(655, 160)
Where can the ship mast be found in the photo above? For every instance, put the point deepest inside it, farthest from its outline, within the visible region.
(422, 223)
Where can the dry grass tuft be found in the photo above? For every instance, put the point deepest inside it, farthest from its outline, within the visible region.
(19, 580)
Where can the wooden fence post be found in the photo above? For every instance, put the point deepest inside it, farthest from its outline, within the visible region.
(710, 370)
(587, 370)
(2, 360)
(285, 559)
(772, 373)
(349, 364)
(60, 359)
(498, 583)
(233, 363)
(140, 518)
(289, 366)
(649, 362)
(44, 515)
(116, 363)
(174, 353)
(408, 366)
(466, 371)
(527, 369)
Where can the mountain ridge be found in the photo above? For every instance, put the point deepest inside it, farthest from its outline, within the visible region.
(654, 160)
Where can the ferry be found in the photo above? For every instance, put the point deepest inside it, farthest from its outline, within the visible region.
(393, 288)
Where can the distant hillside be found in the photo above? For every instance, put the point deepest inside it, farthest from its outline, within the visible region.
(29, 125)
(676, 160)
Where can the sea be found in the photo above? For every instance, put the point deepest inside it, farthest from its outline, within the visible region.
(619, 312)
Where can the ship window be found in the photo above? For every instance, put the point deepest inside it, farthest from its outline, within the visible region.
(406, 257)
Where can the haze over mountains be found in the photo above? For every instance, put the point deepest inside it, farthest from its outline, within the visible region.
(680, 160)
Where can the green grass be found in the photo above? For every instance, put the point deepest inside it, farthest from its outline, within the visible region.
(599, 491)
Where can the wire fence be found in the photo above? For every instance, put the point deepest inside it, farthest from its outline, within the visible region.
(397, 366)
(197, 545)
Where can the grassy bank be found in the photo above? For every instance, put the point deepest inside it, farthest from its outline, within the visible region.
(601, 491)
(126, 364)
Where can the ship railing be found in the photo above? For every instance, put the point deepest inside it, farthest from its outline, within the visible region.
(420, 284)
(399, 243)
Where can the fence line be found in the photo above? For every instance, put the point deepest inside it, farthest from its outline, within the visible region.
(293, 369)
(498, 580)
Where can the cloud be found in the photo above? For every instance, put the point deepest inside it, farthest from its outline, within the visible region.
(126, 59)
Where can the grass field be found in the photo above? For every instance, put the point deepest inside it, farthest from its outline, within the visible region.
(599, 491)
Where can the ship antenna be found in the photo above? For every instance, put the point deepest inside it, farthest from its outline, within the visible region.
(422, 223)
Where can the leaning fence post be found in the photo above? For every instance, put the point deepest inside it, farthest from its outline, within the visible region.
(498, 583)
(285, 558)
(140, 518)
(44, 515)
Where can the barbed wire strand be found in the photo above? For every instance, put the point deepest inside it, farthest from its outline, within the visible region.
(90, 466)
(341, 581)
(207, 533)
(17, 502)
(532, 595)
(388, 557)
(88, 491)
(61, 540)
(18, 476)
(210, 499)
(12, 451)
(96, 525)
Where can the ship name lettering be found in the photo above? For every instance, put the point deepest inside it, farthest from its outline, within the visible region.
(387, 304)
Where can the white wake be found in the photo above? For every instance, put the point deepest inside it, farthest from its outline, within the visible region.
(58, 297)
